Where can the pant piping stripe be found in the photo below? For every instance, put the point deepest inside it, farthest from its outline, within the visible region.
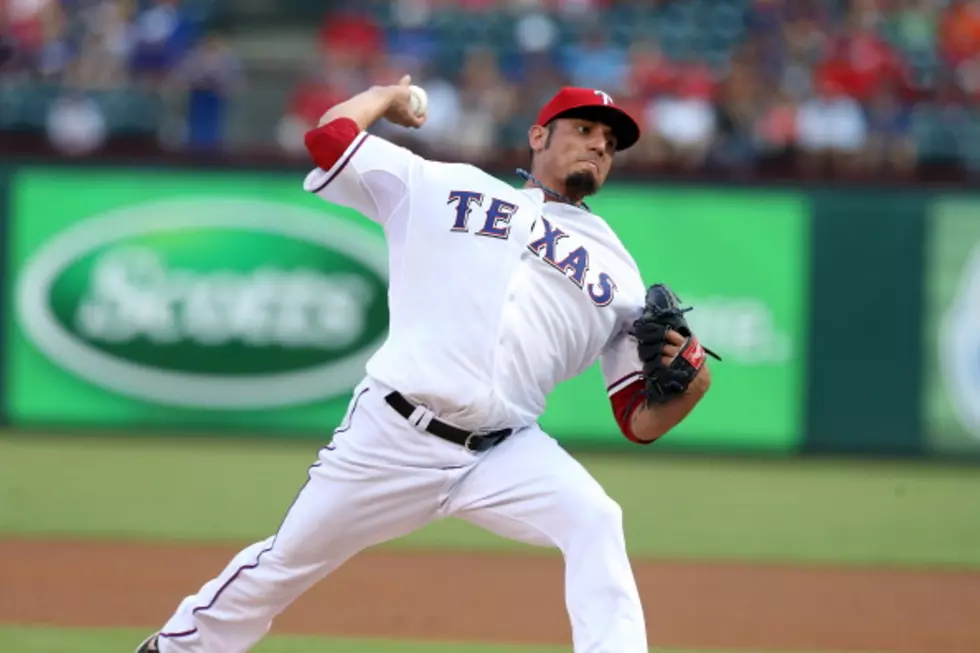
(238, 572)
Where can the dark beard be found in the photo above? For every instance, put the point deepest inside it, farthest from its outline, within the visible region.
(580, 184)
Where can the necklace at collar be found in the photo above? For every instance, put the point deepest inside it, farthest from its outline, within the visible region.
(554, 194)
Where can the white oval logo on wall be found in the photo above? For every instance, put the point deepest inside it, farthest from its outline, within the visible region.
(222, 304)
(959, 346)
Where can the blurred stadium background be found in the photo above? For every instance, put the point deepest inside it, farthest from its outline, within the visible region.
(819, 157)
(730, 86)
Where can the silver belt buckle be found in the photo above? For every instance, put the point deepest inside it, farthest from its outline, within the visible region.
(469, 441)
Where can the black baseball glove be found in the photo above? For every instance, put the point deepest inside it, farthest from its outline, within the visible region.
(663, 313)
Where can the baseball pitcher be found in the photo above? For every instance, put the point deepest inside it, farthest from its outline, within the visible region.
(497, 294)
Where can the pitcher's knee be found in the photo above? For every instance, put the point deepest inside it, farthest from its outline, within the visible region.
(595, 512)
(605, 511)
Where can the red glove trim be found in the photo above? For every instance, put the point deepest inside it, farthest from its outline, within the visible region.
(327, 144)
(625, 401)
(694, 353)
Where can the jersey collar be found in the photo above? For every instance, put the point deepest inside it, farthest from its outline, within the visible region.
(547, 194)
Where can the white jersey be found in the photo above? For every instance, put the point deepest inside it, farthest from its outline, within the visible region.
(495, 296)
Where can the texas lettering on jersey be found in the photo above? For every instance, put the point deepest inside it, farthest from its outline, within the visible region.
(600, 287)
(574, 265)
(498, 215)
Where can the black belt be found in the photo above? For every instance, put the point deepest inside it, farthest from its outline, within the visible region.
(469, 440)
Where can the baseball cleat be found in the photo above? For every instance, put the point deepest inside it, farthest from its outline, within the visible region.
(149, 645)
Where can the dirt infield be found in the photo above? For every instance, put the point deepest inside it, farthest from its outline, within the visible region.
(452, 596)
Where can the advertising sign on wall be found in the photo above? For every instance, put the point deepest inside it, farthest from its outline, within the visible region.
(951, 392)
(169, 298)
(238, 301)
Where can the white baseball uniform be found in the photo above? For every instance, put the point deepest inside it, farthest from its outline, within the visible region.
(495, 297)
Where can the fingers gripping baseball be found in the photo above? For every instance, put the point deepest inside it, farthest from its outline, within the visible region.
(409, 104)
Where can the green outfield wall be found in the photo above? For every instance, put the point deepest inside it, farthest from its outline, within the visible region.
(147, 299)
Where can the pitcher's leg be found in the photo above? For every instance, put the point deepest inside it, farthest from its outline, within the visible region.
(358, 494)
(530, 489)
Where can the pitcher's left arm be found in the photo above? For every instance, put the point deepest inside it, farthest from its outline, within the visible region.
(660, 369)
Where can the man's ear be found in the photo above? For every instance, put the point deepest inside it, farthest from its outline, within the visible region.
(537, 137)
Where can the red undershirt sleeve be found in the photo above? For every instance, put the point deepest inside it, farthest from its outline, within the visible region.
(622, 371)
(359, 170)
(624, 403)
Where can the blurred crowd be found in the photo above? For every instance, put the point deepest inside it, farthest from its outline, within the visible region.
(845, 86)
(85, 70)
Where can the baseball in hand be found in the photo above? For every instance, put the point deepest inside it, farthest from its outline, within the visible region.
(418, 100)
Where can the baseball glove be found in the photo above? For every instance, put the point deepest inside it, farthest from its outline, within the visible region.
(662, 313)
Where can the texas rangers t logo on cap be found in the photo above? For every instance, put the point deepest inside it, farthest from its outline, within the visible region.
(592, 104)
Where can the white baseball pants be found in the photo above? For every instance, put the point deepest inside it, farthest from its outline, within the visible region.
(380, 479)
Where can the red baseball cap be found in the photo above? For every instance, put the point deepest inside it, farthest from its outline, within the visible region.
(592, 104)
